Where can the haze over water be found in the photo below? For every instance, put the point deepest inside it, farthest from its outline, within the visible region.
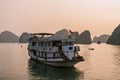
(103, 63)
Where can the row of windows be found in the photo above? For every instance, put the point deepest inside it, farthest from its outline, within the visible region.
(51, 44)
(45, 55)
(41, 44)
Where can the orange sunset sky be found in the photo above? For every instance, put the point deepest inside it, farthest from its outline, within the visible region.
(97, 16)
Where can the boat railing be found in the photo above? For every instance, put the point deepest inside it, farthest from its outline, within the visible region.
(63, 55)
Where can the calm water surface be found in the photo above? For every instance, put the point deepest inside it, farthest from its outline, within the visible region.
(103, 63)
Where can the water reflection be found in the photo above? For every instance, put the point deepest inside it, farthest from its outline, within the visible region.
(117, 59)
(103, 63)
(116, 56)
(46, 72)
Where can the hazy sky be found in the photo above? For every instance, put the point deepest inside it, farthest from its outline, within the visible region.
(98, 16)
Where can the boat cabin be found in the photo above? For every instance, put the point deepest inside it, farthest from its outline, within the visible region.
(52, 47)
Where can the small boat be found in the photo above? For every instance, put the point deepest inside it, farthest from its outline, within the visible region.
(98, 42)
(21, 46)
(91, 49)
(54, 50)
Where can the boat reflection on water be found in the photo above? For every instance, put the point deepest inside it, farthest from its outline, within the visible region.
(46, 72)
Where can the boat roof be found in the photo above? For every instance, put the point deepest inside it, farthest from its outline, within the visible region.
(42, 34)
(53, 38)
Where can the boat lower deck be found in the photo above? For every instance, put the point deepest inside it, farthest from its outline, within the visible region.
(70, 63)
(58, 62)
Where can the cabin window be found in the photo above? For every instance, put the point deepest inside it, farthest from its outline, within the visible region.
(33, 43)
(34, 52)
(38, 54)
(57, 55)
(42, 54)
(44, 44)
(53, 55)
(71, 43)
(41, 44)
(57, 43)
(48, 44)
(45, 56)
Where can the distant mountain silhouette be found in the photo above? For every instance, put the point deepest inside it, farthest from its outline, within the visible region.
(63, 32)
(24, 37)
(115, 37)
(8, 37)
(102, 38)
(84, 38)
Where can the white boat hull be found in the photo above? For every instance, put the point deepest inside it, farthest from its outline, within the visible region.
(59, 63)
(69, 63)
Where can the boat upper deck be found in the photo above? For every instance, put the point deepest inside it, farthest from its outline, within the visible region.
(41, 37)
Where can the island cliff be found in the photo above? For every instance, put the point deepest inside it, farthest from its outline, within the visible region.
(102, 38)
(8, 37)
(83, 38)
(115, 37)
(24, 37)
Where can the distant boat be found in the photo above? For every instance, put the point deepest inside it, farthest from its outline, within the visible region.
(91, 49)
(54, 50)
(98, 42)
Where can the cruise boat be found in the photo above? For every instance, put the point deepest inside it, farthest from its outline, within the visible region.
(54, 50)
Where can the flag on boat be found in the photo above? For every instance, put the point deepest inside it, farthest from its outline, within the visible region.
(70, 31)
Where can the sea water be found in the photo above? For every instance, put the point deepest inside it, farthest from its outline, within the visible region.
(102, 63)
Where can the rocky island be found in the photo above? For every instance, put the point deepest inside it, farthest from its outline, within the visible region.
(8, 37)
(115, 37)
